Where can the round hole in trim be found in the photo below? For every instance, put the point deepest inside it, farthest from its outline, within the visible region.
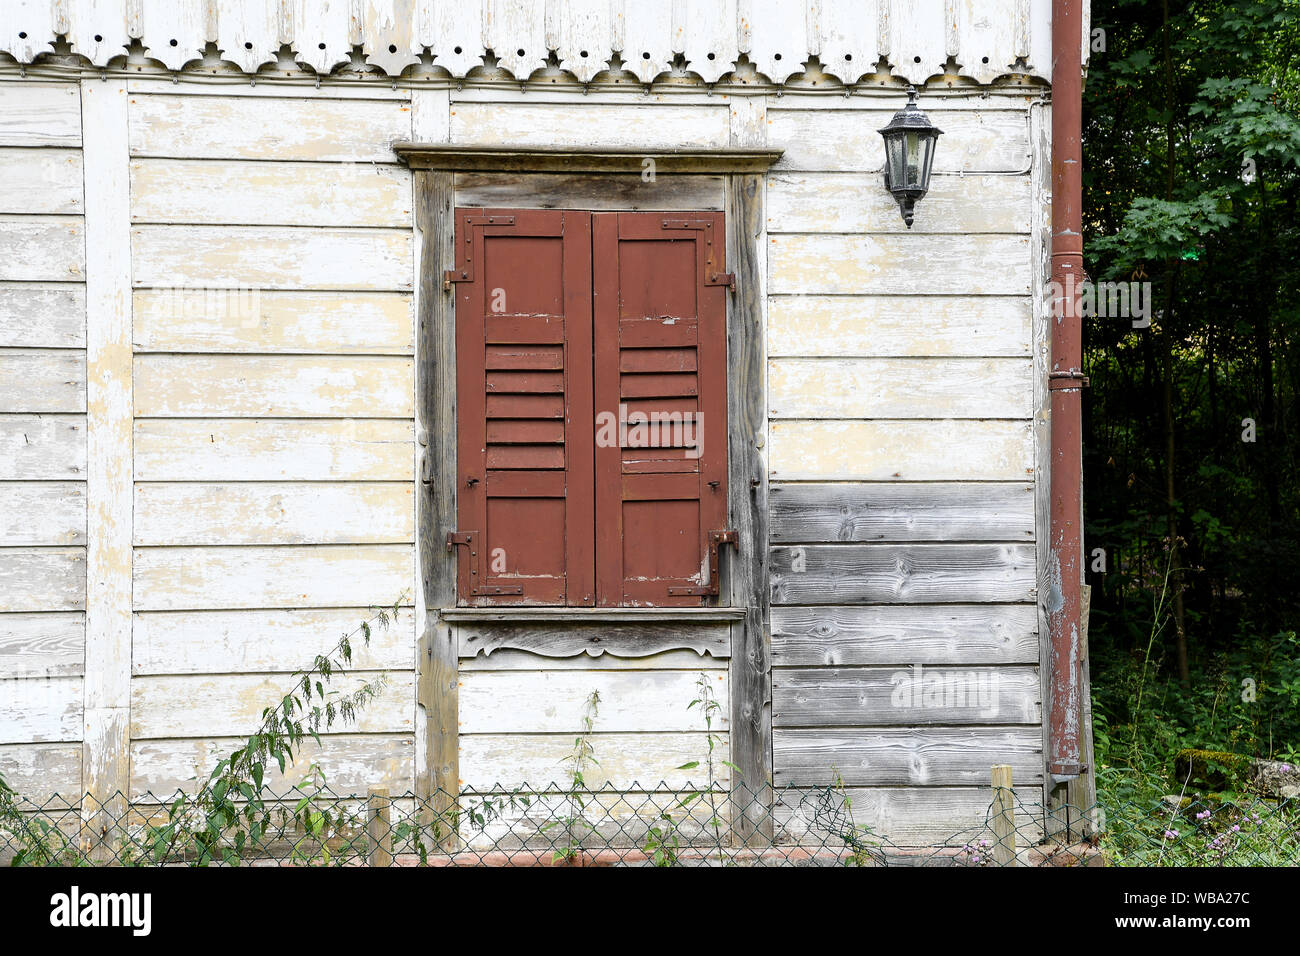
(456, 50)
(985, 60)
(320, 46)
(248, 44)
(519, 52)
(778, 56)
(392, 48)
(916, 59)
(645, 56)
(22, 35)
(98, 38)
(172, 42)
(582, 53)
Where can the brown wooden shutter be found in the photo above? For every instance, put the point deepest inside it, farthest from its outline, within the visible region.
(523, 383)
(660, 355)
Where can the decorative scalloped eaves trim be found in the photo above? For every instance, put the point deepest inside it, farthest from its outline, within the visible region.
(987, 39)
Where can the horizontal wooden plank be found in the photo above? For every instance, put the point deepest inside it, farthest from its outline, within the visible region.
(904, 634)
(42, 579)
(173, 579)
(632, 761)
(578, 124)
(40, 114)
(883, 325)
(351, 763)
(288, 128)
(240, 642)
(619, 192)
(42, 248)
(901, 450)
(904, 697)
(42, 380)
(274, 513)
(906, 756)
(41, 181)
(40, 710)
(42, 447)
(940, 511)
(35, 315)
(232, 704)
(912, 816)
(848, 140)
(42, 512)
(859, 202)
(269, 193)
(506, 659)
(43, 773)
(629, 642)
(900, 388)
(281, 386)
(259, 450)
(271, 257)
(267, 321)
(42, 645)
(902, 573)
(540, 702)
(803, 263)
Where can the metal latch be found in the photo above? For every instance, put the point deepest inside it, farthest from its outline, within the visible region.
(465, 539)
(716, 540)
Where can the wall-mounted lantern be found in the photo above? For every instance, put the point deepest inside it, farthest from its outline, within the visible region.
(909, 154)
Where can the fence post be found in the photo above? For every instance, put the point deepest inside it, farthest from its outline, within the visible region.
(379, 828)
(1004, 817)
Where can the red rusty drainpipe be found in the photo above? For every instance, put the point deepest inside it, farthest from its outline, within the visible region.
(1064, 579)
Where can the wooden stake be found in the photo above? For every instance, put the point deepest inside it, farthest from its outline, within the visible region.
(379, 828)
(1003, 820)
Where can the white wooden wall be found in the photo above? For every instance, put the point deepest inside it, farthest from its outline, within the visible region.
(271, 482)
(42, 438)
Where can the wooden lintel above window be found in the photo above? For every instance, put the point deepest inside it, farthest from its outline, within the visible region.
(532, 159)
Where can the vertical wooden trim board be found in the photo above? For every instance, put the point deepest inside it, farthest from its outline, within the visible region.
(438, 772)
(109, 462)
(749, 680)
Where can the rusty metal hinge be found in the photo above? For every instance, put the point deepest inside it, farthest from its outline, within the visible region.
(466, 540)
(723, 278)
(466, 271)
(716, 540)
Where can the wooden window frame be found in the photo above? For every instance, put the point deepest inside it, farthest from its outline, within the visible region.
(745, 600)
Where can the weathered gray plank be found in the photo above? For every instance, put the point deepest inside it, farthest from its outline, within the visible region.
(747, 474)
(897, 388)
(905, 634)
(40, 710)
(902, 574)
(438, 684)
(35, 316)
(804, 263)
(42, 772)
(40, 114)
(243, 641)
(848, 141)
(899, 511)
(41, 181)
(588, 191)
(904, 696)
(273, 450)
(628, 642)
(857, 202)
(906, 756)
(42, 579)
(42, 380)
(42, 512)
(42, 248)
(42, 447)
(351, 762)
(918, 816)
(42, 644)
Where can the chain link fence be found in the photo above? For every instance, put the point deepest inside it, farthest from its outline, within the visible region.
(555, 826)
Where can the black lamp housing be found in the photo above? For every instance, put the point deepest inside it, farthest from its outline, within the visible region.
(909, 154)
